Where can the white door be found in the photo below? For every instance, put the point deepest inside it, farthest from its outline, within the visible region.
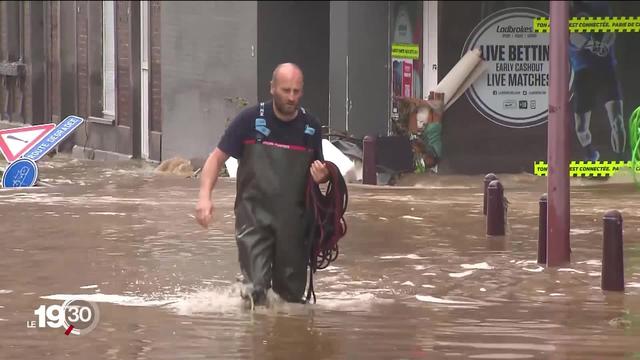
(144, 79)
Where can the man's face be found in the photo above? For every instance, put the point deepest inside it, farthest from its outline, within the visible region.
(287, 91)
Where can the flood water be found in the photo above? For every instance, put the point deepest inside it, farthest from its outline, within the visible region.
(417, 278)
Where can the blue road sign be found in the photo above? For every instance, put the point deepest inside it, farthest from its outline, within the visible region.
(21, 173)
(62, 130)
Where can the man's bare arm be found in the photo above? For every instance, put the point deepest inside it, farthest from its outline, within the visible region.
(210, 172)
(208, 180)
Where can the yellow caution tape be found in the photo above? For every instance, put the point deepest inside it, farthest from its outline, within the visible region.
(405, 51)
(593, 24)
(588, 168)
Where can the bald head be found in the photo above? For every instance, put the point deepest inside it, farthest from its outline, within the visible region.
(286, 70)
(286, 90)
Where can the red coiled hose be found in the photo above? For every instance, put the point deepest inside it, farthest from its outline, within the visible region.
(329, 224)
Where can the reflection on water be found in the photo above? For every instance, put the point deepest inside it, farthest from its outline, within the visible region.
(416, 277)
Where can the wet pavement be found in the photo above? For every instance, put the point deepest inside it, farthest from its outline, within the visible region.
(416, 277)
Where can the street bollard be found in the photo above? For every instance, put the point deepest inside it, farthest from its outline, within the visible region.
(369, 173)
(487, 179)
(495, 208)
(612, 254)
(542, 230)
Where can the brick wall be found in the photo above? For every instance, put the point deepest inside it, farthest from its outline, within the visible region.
(10, 108)
(54, 62)
(82, 43)
(155, 113)
(95, 49)
(123, 64)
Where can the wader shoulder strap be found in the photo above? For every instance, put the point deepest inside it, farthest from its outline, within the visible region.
(262, 131)
(309, 131)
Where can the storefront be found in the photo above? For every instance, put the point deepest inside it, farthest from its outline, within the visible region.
(501, 122)
(407, 51)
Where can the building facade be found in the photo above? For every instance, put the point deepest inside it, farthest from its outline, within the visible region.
(157, 79)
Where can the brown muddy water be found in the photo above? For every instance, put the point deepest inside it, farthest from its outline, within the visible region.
(417, 278)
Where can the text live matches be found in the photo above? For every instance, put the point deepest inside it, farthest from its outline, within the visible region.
(77, 317)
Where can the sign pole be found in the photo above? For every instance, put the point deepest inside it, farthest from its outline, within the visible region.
(558, 211)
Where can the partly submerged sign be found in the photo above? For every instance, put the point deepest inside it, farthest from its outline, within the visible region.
(21, 173)
(53, 138)
(15, 142)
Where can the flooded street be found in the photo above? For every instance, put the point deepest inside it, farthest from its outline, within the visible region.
(417, 278)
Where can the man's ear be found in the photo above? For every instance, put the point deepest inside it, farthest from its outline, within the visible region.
(271, 87)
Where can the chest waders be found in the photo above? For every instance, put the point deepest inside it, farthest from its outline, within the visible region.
(272, 223)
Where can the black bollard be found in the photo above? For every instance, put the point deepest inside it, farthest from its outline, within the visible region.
(612, 254)
(542, 230)
(369, 173)
(495, 208)
(487, 179)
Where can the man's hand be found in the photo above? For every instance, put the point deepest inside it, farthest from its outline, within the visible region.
(204, 212)
(319, 172)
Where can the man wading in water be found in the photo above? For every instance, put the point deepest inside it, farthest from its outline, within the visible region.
(278, 146)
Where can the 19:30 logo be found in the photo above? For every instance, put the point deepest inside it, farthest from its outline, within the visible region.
(78, 317)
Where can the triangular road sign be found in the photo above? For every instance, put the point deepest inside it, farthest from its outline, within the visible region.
(15, 142)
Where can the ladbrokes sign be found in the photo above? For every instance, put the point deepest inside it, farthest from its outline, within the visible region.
(514, 90)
